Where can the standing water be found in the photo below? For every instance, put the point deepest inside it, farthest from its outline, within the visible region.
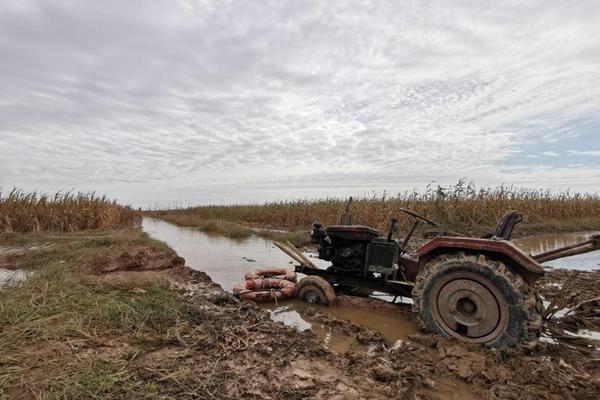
(542, 243)
(226, 261)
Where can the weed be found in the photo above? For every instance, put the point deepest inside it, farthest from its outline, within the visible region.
(67, 334)
(62, 212)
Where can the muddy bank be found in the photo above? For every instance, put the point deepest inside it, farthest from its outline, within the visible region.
(253, 357)
(99, 322)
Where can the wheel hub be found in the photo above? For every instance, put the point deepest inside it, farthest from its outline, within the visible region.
(468, 308)
(312, 297)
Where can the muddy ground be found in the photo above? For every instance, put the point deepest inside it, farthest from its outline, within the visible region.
(245, 355)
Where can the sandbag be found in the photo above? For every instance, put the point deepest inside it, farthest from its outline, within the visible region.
(264, 289)
(278, 273)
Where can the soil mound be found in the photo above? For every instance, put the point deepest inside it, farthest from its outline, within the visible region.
(140, 259)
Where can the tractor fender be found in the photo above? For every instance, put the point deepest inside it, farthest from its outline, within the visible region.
(502, 250)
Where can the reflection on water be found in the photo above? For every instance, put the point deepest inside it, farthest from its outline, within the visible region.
(226, 261)
(542, 243)
(392, 324)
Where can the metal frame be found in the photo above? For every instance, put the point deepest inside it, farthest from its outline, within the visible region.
(395, 288)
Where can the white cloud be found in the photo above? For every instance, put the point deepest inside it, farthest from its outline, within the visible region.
(550, 153)
(585, 153)
(171, 100)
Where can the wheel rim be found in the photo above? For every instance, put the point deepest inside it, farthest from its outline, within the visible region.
(312, 296)
(469, 307)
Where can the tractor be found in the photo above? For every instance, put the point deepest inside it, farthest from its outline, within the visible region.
(477, 290)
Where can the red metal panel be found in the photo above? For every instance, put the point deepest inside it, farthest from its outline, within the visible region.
(488, 245)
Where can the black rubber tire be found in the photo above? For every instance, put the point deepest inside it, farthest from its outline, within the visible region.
(316, 290)
(523, 322)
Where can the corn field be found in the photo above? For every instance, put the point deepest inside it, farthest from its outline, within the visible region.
(63, 212)
(461, 208)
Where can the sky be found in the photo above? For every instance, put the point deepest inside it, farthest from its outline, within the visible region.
(179, 102)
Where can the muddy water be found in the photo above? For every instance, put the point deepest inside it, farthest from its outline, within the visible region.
(226, 260)
(541, 243)
(393, 325)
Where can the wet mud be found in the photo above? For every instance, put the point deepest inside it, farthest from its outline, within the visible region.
(365, 348)
(255, 357)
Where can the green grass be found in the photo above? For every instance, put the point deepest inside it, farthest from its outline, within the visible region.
(67, 334)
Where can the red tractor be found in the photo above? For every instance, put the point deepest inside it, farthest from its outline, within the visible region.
(477, 290)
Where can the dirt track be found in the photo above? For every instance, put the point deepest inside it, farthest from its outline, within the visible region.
(257, 358)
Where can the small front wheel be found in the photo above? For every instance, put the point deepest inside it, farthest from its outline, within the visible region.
(315, 289)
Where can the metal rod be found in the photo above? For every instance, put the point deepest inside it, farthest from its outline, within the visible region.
(561, 249)
(409, 234)
(300, 254)
(569, 252)
(578, 248)
(290, 253)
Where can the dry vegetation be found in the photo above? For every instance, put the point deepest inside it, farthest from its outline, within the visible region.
(62, 212)
(67, 334)
(461, 208)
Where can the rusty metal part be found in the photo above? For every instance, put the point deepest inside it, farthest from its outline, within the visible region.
(409, 268)
(592, 244)
(506, 225)
(300, 254)
(469, 307)
(514, 257)
(346, 218)
(315, 289)
(418, 216)
(296, 254)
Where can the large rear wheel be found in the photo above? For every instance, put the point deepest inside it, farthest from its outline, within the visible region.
(476, 299)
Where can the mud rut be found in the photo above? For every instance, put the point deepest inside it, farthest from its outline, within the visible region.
(254, 357)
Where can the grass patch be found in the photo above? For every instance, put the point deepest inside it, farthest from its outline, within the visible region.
(233, 230)
(213, 226)
(67, 334)
(75, 249)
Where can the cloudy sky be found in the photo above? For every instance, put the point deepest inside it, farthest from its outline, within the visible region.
(190, 101)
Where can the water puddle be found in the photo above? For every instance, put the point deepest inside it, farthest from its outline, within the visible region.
(226, 261)
(392, 324)
(541, 243)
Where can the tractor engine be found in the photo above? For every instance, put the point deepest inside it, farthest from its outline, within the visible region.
(355, 249)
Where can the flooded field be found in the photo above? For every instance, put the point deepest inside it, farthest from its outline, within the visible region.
(226, 260)
(542, 243)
